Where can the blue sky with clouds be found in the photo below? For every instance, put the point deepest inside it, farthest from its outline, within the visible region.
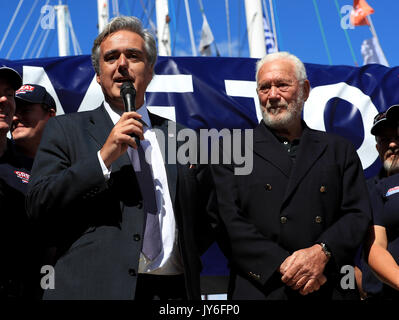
(311, 29)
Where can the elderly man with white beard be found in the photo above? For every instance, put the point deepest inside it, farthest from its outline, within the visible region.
(300, 215)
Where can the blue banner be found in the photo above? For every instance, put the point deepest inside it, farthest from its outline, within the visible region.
(208, 92)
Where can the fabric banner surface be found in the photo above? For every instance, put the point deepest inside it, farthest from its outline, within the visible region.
(211, 92)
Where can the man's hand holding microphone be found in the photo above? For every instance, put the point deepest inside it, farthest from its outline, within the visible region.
(128, 131)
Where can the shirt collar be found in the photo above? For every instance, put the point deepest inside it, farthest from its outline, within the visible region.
(116, 114)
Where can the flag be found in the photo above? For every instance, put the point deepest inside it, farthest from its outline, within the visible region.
(360, 11)
(206, 38)
(269, 37)
(372, 52)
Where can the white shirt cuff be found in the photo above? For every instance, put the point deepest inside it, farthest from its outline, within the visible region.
(106, 171)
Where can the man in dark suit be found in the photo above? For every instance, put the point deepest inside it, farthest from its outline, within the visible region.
(299, 216)
(91, 191)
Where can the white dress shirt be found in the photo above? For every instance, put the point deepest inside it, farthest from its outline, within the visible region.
(169, 262)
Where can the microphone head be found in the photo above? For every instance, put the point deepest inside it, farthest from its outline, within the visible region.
(127, 88)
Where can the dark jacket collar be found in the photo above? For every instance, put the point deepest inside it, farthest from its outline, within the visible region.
(267, 146)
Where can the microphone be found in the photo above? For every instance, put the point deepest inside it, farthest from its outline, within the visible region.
(128, 94)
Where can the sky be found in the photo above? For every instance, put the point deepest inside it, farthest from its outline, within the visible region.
(310, 29)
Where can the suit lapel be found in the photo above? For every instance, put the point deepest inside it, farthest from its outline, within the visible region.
(166, 133)
(310, 149)
(267, 147)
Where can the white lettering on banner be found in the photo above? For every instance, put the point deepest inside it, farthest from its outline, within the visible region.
(246, 89)
(93, 97)
(166, 112)
(179, 83)
(313, 114)
(37, 75)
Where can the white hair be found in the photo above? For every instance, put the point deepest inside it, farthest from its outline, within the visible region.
(132, 24)
(298, 64)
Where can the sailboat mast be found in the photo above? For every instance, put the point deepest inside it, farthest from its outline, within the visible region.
(190, 28)
(163, 31)
(273, 23)
(256, 34)
(62, 30)
(103, 14)
(374, 33)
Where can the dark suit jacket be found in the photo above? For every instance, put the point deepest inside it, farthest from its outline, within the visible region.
(281, 207)
(96, 226)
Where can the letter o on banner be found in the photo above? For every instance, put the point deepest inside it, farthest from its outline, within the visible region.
(313, 114)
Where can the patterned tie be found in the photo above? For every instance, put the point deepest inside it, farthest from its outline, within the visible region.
(152, 244)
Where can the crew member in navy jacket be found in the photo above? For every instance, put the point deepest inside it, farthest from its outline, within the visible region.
(15, 269)
(382, 254)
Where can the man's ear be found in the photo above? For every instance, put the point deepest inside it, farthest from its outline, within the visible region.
(152, 71)
(306, 89)
(378, 147)
(52, 113)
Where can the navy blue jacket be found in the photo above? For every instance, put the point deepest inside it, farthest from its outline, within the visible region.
(281, 207)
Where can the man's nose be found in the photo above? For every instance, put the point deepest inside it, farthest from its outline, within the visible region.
(393, 143)
(273, 93)
(122, 61)
(3, 98)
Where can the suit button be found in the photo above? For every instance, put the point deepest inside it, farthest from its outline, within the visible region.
(132, 272)
(318, 219)
(323, 189)
(283, 220)
(140, 204)
(254, 275)
(268, 187)
(136, 237)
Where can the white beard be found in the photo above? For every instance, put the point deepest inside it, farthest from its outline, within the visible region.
(284, 120)
(392, 166)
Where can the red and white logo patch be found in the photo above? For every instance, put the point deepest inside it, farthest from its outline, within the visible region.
(23, 176)
(24, 89)
(392, 191)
